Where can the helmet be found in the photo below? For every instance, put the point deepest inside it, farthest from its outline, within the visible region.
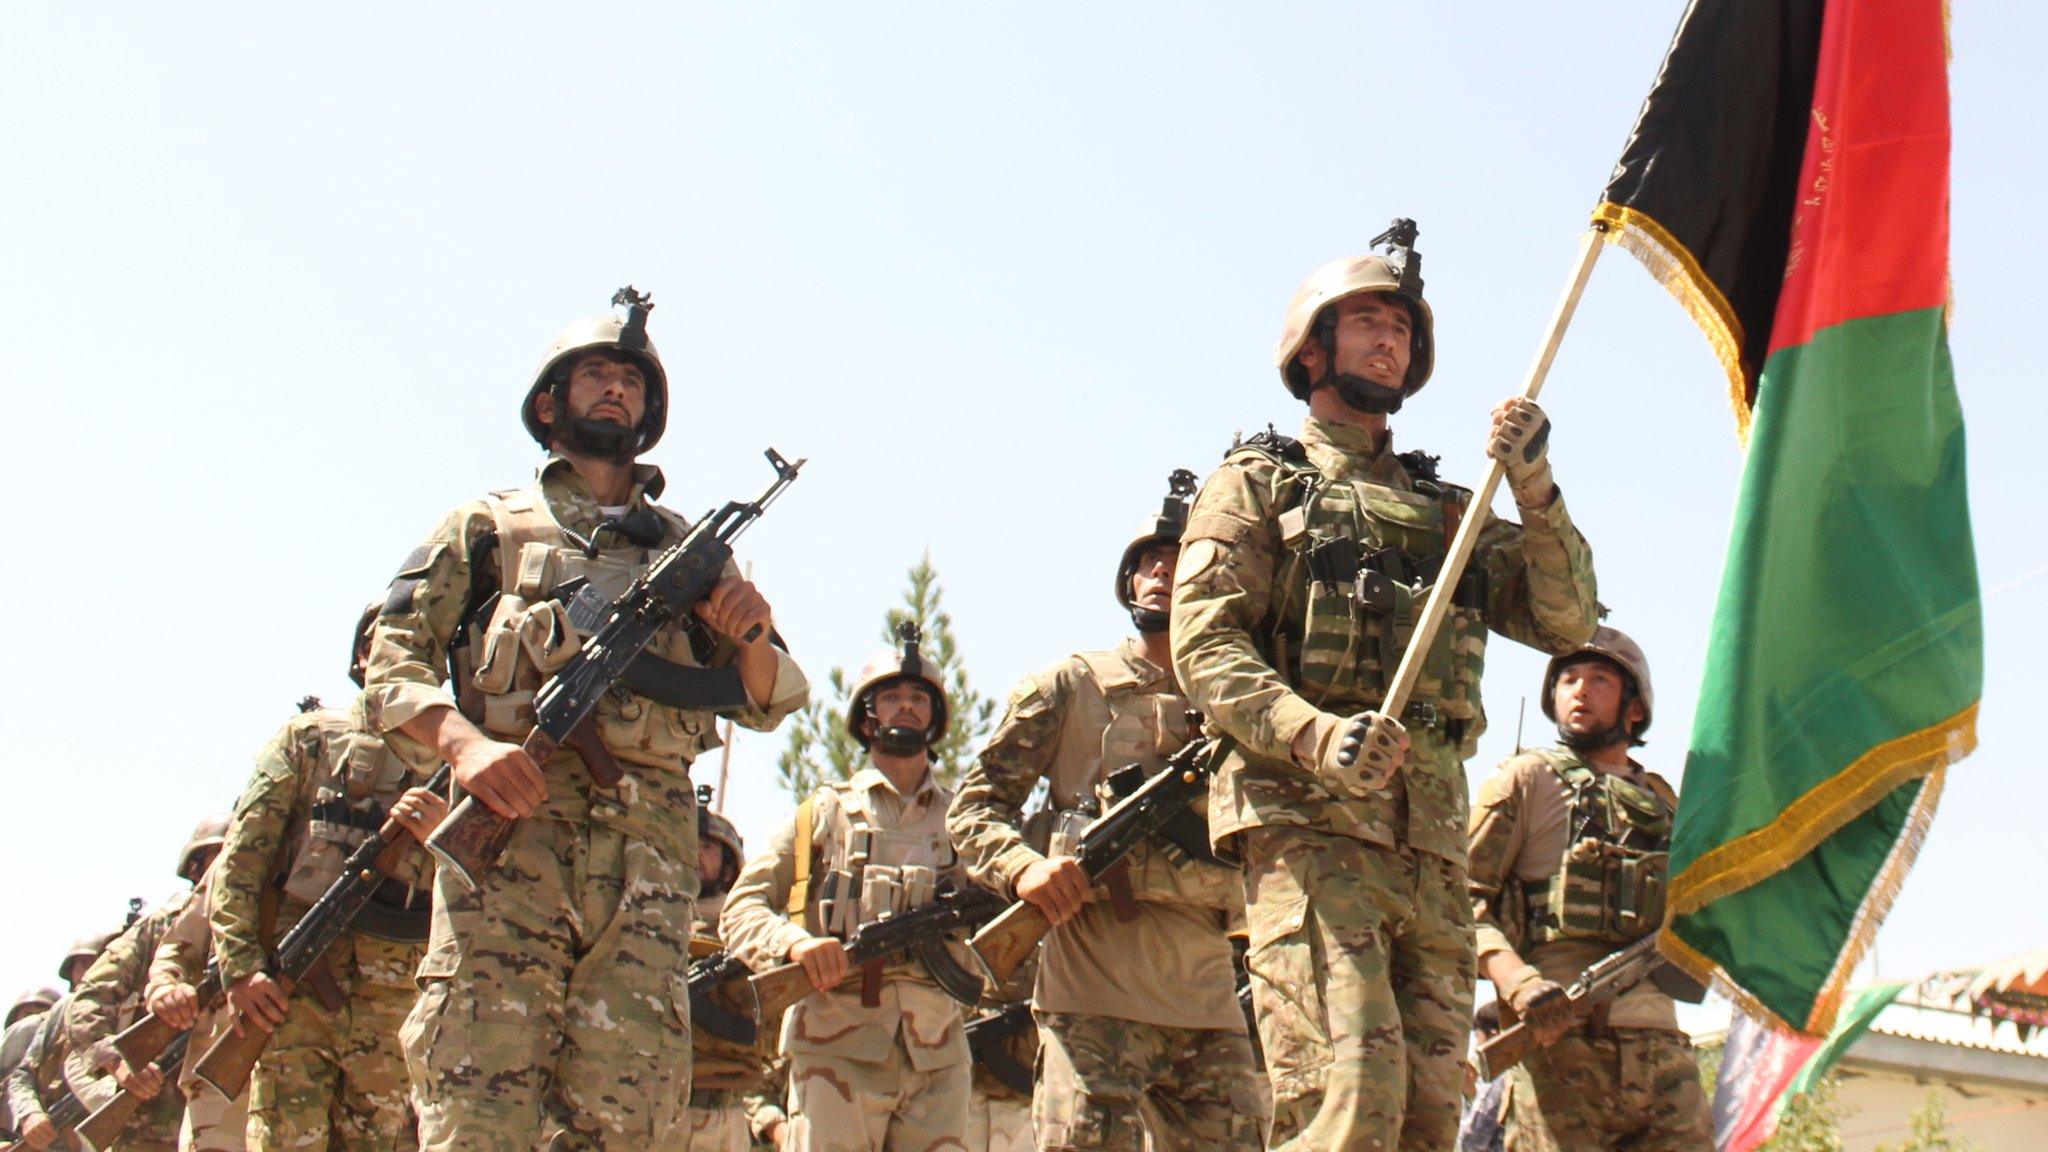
(1398, 270)
(356, 655)
(31, 1002)
(626, 335)
(887, 667)
(210, 833)
(87, 948)
(1613, 645)
(716, 829)
(1166, 527)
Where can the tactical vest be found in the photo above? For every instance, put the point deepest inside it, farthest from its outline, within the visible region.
(1361, 561)
(870, 871)
(353, 786)
(528, 636)
(1111, 721)
(1610, 884)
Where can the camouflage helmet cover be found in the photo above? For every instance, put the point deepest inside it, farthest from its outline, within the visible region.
(626, 335)
(211, 832)
(1613, 645)
(1165, 526)
(891, 664)
(357, 642)
(87, 948)
(1395, 272)
(713, 828)
(31, 1002)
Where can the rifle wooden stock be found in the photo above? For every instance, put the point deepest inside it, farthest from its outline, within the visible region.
(778, 988)
(1005, 943)
(146, 1039)
(233, 1057)
(473, 838)
(106, 1123)
(1509, 1047)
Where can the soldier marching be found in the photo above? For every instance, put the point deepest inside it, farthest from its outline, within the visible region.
(545, 993)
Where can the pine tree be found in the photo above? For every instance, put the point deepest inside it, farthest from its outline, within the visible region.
(820, 748)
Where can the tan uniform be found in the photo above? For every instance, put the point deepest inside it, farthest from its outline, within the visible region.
(107, 1000)
(212, 1123)
(734, 1097)
(1361, 947)
(1137, 1005)
(1626, 1078)
(888, 1077)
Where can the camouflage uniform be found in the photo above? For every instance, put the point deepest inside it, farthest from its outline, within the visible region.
(1551, 881)
(553, 998)
(35, 1084)
(1361, 949)
(894, 1076)
(212, 1124)
(332, 1073)
(1136, 1004)
(733, 1087)
(107, 1000)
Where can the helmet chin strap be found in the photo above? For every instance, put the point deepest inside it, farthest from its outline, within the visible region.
(897, 740)
(1150, 621)
(1615, 733)
(1363, 394)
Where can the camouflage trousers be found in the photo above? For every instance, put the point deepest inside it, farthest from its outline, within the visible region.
(337, 1079)
(552, 1004)
(1105, 1083)
(154, 1128)
(841, 1105)
(1627, 1088)
(714, 1122)
(213, 1124)
(1362, 969)
(998, 1123)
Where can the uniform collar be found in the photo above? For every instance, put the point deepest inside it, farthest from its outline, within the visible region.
(648, 481)
(1636, 774)
(1144, 673)
(870, 778)
(1348, 452)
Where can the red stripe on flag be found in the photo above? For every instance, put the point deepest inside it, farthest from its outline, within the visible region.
(1870, 233)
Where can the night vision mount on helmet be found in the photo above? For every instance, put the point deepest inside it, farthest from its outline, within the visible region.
(886, 668)
(624, 336)
(1396, 269)
(1164, 528)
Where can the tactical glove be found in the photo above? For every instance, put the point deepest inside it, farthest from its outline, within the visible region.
(1543, 1005)
(1521, 440)
(1358, 755)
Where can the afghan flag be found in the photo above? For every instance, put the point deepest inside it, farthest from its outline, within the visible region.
(1764, 1069)
(1788, 181)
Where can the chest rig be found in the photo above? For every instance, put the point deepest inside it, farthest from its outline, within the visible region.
(355, 780)
(871, 871)
(1610, 884)
(525, 633)
(1361, 560)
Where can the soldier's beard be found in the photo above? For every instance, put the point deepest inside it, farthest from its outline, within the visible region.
(600, 439)
(897, 740)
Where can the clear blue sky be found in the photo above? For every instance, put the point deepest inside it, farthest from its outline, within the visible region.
(274, 282)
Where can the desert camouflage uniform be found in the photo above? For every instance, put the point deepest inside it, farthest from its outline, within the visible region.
(1625, 1078)
(212, 1124)
(553, 998)
(35, 1085)
(332, 1074)
(734, 1088)
(1137, 1007)
(108, 999)
(1361, 947)
(893, 1077)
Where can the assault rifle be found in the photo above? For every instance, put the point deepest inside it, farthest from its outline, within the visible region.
(921, 932)
(1607, 979)
(988, 1039)
(227, 1064)
(1006, 942)
(65, 1115)
(109, 1120)
(472, 839)
(149, 1037)
(706, 975)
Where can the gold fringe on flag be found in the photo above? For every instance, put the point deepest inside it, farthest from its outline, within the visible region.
(1674, 267)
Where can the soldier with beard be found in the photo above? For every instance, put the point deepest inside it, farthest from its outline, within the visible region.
(1143, 1043)
(1569, 850)
(552, 1004)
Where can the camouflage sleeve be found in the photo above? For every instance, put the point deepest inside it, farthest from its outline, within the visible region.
(248, 857)
(1230, 558)
(93, 1014)
(753, 925)
(24, 1103)
(422, 610)
(1494, 840)
(987, 817)
(1542, 591)
(763, 1106)
(181, 954)
(792, 688)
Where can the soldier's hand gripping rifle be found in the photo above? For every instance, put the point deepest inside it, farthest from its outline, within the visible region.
(65, 1116)
(109, 1120)
(473, 837)
(1607, 979)
(706, 975)
(921, 932)
(227, 1064)
(151, 1036)
(1006, 942)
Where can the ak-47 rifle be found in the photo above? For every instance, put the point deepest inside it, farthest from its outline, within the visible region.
(65, 1115)
(988, 1039)
(149, 1037)
(707, 974)
(1607, 979)
(1006, 942)
(227, 1064)
(109, 1120)
(473, 838)
(921, 932)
